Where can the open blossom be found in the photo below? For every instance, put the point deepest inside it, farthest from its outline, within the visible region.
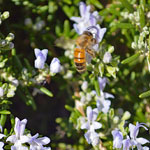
(98, 34)
(132, 141)
(1, 92)
(18, 139)
(1, 136)
(103, 103)
(117, 138)
(88, 21)
(87, 18)
(37, 143)
(84, 85)
(41, 56)
(91, 125)
(134, 130)
(126, 143)
(102, 83)
(55, 66)
(107, 58)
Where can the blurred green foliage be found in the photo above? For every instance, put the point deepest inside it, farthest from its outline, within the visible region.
(46, 24)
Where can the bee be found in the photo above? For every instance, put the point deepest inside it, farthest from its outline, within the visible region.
(85, 43)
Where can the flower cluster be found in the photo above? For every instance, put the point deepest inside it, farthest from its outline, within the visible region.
(103, 104)
(19, 139)
(91, 125)
(1, 136)
(88, 21)
(41, 56)
(131, 141)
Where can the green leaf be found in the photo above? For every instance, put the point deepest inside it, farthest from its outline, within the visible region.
(124, 25)
(5, 102)
(142, 16)
(96, 3)
(3, 120)
(111, 113)
(5, 112)
(97, 88)
(52, 7)
(145, 94)
(69, 2)
(68, 10)
(66, 28)
(28, 64)
(46, 91)
(126, 4)
(142, 2)
(17, 60)
(111, 70)
(130, 59)
(58, 30)
(69, 108)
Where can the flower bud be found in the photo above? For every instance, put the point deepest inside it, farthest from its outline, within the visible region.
(5, 15)
(41, 56)
(107, 58)
(84, 85)
(10, 37)
(55, 65)
(1, 92)
(126, 115)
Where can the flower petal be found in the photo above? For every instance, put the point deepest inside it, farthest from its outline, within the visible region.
(12, 139)
(142, 140)
(55, 65)
(82, 8)
(43, 140)
(37, 51)
(85, 125)
(96, 125)
(24, 139)
(22, 126)
(45, 52)
(2, 135)
(39, 63)
(87, 137)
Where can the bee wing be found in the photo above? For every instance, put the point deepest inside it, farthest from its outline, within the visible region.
(88, 58)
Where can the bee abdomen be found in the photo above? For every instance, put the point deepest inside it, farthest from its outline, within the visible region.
(80, 60)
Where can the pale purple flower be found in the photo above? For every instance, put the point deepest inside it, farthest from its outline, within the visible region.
(102, 83)
(127, 143)
(55, 66)
(1, 136)
(134, 130)
(1, 92)
(92, 137)
(91, 125)
(84, 85)
(117, 138)
(41, 56)
(19, 138)
(87, 18)
(107, 58)
(103, 103)
(98, 34)
(37, 143)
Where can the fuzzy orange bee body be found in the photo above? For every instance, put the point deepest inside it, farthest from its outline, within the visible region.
(84, 44)
(80, 59)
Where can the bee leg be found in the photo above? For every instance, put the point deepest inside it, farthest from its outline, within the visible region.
(91, 52)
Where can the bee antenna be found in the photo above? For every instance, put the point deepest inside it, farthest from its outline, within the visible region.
(90, 27)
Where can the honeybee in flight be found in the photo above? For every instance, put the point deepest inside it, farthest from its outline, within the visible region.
(85, 43)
